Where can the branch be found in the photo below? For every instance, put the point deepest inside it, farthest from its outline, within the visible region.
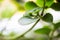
(34, 24)
(43, 8)
(28, 30)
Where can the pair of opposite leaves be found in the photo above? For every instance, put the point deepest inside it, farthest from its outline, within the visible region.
(31, 5)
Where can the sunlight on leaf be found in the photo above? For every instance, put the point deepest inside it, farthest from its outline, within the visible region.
(30, 5)
(43, 31)
(41, 2)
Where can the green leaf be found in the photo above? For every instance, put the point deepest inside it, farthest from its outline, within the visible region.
(26, 20)
(7, 13)
(47, 17)
(30, 5)
(57, 25)
(43, 31)
(56, 6)
(30, 16)
(34, 13)
(40, 3)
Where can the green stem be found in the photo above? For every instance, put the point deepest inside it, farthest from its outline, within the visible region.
(43, 8)
(52, 33)
(34, 24)
(51, 37)
(28, 30)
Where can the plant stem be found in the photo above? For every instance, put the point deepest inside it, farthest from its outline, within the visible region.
(52, 33)
(28, 30)
(43, 8)
(51, 37)
(34, 24)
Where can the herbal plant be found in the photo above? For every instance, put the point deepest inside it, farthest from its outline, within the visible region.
(36, 12)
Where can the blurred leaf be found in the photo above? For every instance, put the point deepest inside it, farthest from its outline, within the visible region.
(19, 4)
(1, 34)
(40, 3)
(43, 30)
(1, 0)
(20, 8)
(26, 20)
(12, 34)
(34, 13)
(57, 25)
(30, 5)
(56, 6)
(30, 16)
(47, 17)
(18, 1)
(7, 13)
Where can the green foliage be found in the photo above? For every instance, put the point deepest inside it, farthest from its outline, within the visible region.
(7, 13)
(34, 13)
(47, 17)
(40, 3)
(30, 5)
(44, 30)
(57, 25)
(34, 9)
(30, 16)
(56, 6)
(26, 20)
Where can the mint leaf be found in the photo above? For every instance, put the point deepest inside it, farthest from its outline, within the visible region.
(30, 5)
(47, 17)
(40, 3)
